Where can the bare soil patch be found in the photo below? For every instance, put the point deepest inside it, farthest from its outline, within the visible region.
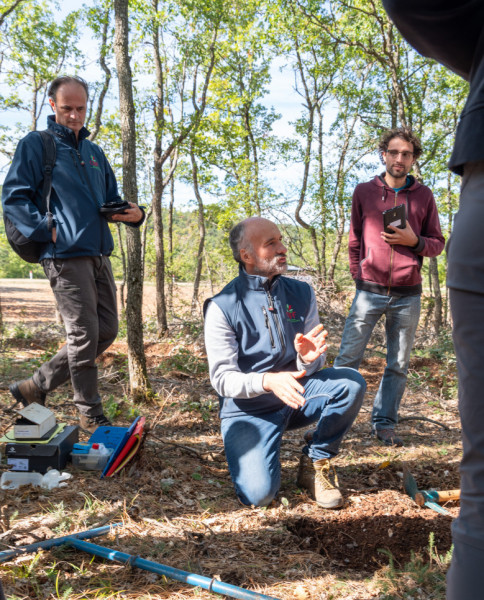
(177, 504)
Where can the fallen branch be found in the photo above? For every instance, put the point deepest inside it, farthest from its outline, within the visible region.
(417, 418)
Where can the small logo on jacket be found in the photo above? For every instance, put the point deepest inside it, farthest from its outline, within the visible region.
(93, 162)
(291, 314)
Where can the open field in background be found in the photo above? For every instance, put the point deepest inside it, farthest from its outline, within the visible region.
(177, 503)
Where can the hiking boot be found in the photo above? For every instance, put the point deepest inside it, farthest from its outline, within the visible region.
(389, 437)
(320, 479)
(92, 423)
(26, 392)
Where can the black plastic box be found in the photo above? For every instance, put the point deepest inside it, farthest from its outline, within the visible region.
(39, 457)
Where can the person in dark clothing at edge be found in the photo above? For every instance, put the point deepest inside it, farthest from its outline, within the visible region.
(386, 269)
(75, 257)
(452, 32)
(265, 348)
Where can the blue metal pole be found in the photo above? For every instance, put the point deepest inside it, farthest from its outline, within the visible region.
(212, 585)
(47, 544)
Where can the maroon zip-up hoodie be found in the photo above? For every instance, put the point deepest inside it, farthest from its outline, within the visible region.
(391, 269)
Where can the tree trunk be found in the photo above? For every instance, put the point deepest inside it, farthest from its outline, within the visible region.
(159, 108)
(170, 152)
(321, 196)
(161, 318)
(170, 245)
(311, 106)
(33, 113)
(107, 77)
(123, 262)
(209, 271)
(434, 275)
(339, 231)
(201, 232)
(138, 379)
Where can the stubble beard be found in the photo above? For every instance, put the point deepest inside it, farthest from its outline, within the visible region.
(404, 172)
(270, 267)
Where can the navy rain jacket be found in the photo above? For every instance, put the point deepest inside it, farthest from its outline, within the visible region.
(81, 230)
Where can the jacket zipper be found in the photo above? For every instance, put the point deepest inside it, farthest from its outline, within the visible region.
(272, 309)
(86, 178)
(391, 253)
(268, 325)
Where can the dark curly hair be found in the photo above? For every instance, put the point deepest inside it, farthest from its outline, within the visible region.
(404, 133)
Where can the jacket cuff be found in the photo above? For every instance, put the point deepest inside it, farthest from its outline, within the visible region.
(420, 245)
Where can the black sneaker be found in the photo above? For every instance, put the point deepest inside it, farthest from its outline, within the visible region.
(92, 423)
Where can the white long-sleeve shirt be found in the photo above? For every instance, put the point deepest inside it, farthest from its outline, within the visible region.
(222, 354)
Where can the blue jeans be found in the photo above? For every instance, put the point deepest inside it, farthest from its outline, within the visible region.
(401, 320)
(252, 442)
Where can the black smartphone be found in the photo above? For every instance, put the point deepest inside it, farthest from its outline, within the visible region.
(396, 216)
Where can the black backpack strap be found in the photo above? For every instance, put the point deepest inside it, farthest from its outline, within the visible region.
(49, 151)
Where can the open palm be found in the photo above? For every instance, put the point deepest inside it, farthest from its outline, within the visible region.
(311, 345)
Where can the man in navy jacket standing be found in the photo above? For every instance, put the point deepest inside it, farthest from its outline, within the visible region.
(452, 32)
(75, 256)
(265, 348)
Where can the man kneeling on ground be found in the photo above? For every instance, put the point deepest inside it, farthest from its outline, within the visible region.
(265, 348)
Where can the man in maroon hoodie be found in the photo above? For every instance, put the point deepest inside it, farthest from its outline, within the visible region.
(386, 269)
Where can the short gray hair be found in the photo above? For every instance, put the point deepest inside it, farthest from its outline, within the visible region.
(236, 237)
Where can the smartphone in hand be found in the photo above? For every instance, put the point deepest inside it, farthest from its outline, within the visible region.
(396, 216)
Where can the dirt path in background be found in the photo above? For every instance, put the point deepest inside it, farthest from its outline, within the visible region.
(31, 301)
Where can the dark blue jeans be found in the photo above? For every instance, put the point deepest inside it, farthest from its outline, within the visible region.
(252, 442)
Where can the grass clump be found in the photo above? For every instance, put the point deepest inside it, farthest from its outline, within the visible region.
(422, 577)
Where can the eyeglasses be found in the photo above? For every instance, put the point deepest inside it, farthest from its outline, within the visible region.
(405, 155)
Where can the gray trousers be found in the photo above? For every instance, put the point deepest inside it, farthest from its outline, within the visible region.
(85, 292)
(465, 580)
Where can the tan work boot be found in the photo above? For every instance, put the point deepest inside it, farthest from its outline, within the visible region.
(320, 479)
(92, 423)
(27, 392)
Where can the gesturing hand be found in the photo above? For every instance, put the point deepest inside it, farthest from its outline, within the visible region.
(286, 387)
(311, 345)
